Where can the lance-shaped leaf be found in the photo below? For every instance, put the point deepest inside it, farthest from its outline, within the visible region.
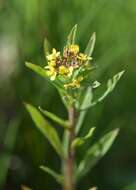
(42, 72)
(90, 46)
(81, 140)
(58, 177)
(96, 152)
(86, 101)
(72, 36)
(47, 47)
(39, 70)
(46, 128)
(55, 118)
(110, 87)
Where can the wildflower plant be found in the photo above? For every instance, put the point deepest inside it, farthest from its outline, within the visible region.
(70, 72)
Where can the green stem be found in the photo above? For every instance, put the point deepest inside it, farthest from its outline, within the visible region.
(69, 180)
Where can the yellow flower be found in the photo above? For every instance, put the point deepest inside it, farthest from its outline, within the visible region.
(74, 48)
(52, 63)
(70, 71)
(74, 84)
(84, 57)
(51, 72)
(63, 70)
(53, 55)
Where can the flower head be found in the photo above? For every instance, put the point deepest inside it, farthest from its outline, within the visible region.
(66, 67)
(53, 56)
(74, 48)
(83, 57)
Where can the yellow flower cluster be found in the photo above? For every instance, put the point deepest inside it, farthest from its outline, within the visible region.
(65, 65)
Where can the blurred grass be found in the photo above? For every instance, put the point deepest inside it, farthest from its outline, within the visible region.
(24, 24)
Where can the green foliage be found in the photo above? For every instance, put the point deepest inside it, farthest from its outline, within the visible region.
(72, 36)
(79, 98)
(96, 152)
(90, 46)
(86, 101)
(58, 177)
(81, 140)
(41, 71)
(110, 87)
(55, 118)
(45, 127)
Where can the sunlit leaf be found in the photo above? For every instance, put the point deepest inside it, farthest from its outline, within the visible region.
(58, 177)
(96, 152)
(46, 128)
(72, 36)
(55, 118)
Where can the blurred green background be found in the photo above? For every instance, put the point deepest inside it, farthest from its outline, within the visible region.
(23, 27)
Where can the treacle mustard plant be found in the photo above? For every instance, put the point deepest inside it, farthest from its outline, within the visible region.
(70, 72)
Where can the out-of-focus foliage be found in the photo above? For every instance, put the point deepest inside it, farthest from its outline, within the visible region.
(24, 24)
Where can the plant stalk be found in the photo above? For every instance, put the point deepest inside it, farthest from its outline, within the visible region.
(69, 179)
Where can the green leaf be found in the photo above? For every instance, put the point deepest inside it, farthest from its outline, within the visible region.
(86, 101)
(41, 71)
(81, 140)
(110, 87)
(90, 46)
(46, 128)
(96, 152)
(47, 47)
(58, 177)
(55, 118)
(72, 36)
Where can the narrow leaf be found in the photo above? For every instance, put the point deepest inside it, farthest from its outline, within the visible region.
(47, 46)
(96, 152)
(45, 127)
(86, 101)
(39, 70)
(58, 177)
(110, 87)
(72, 36)
(111, 84)
(55, 118)
(90, 46)
(81, 140)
